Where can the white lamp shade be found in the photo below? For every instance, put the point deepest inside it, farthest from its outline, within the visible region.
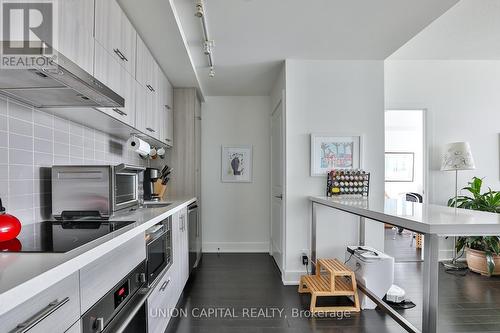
(458, 156)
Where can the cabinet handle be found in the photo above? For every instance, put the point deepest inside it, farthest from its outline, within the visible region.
(120, 54)
(120, 112)
(150, 129)
(150, 87)
(164, 285)
(36, 319)
(168, 107)
(168, 140)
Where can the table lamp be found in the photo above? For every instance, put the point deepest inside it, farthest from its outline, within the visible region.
(457, 156)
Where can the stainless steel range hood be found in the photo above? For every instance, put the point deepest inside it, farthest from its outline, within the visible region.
(56, 83)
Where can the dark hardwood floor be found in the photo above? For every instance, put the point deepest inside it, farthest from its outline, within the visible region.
(231, 285)
(400, 247)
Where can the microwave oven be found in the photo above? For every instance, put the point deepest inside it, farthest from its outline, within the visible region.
(94, 190)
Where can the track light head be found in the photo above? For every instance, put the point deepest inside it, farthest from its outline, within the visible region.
(208, 46)
(211, 74)
(199, 9)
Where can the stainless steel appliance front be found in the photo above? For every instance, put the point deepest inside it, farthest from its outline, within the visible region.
(94, 190)
(158, 249)
(123, 308)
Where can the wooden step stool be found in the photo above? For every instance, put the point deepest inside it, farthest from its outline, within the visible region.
(339, 281)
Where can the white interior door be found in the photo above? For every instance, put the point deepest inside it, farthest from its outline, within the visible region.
(277, 185)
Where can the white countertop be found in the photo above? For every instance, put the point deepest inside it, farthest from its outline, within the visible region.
(422, 218)
(23, 275)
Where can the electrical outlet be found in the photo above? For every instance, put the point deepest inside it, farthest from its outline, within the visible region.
(305, 258)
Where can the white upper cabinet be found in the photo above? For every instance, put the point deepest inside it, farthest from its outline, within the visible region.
(75, 28)
(108, 71)
(147, 75)
(114, 31)
(166, 111)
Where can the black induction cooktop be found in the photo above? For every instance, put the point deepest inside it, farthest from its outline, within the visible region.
(60, 236)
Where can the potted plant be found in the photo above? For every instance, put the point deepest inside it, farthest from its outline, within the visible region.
(482, 252)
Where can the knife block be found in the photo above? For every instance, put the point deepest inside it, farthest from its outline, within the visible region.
(160, 189)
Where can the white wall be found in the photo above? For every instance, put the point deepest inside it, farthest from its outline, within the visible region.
(235, 215)
(462, 101)
(329, 97)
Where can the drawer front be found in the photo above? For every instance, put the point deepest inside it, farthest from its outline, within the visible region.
(97, 278)
(160, 303)
(53, 310)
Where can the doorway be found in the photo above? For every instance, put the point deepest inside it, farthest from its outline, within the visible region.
(277, 228)
(405, 175)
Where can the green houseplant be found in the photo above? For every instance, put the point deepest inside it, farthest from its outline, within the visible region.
(482, 252)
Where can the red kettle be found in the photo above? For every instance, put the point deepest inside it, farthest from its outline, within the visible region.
(10, 226)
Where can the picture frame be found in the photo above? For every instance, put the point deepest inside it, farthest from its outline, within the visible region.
(330, 151)
(399, 167)
(237, 164)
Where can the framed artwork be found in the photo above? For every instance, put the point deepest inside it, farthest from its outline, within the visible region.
(399, 166)
(237, 164)
(334, 152)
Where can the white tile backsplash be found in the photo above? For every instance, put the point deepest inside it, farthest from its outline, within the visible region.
(21, 142)
(42, 132)
(4, 139)
(4, 155)
(3, 123)
(20, 127)
(31, 141)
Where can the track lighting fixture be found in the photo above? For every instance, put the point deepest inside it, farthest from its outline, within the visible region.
(199, 9)
(208, 44)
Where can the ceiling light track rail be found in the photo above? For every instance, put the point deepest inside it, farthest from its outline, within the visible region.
(208, 43)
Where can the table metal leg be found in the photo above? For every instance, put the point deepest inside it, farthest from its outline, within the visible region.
(430, 284)
(362, 233)
(313, 239)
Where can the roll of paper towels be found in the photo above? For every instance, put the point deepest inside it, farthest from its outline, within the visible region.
(138, 145)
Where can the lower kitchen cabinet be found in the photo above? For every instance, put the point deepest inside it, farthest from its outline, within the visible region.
(55, 309)
(161, 302)
(167, 291)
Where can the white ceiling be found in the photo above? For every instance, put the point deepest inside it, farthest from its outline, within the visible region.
(252, 37)
(468, 31)
(156, 23)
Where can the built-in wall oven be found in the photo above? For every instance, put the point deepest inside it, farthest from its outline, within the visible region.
(158, 249)
(123, 308)
(94, 190)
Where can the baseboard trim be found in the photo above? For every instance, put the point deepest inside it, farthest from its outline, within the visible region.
(292, 278)
(235, 247)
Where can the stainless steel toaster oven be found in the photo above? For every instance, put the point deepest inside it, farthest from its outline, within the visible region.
(94, 190)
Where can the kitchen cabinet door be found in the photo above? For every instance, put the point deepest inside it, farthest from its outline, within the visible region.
(74, 35)
(145, 66)
(114, 31)
(184, 248)
(60, 303)
(142, 107)
(166, 111)
(109, 72)
(160, 303)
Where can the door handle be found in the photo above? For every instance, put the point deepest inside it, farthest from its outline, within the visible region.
(120, 112)
(279, 196)
(164, 285)
(47, 311)
(120, 54)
